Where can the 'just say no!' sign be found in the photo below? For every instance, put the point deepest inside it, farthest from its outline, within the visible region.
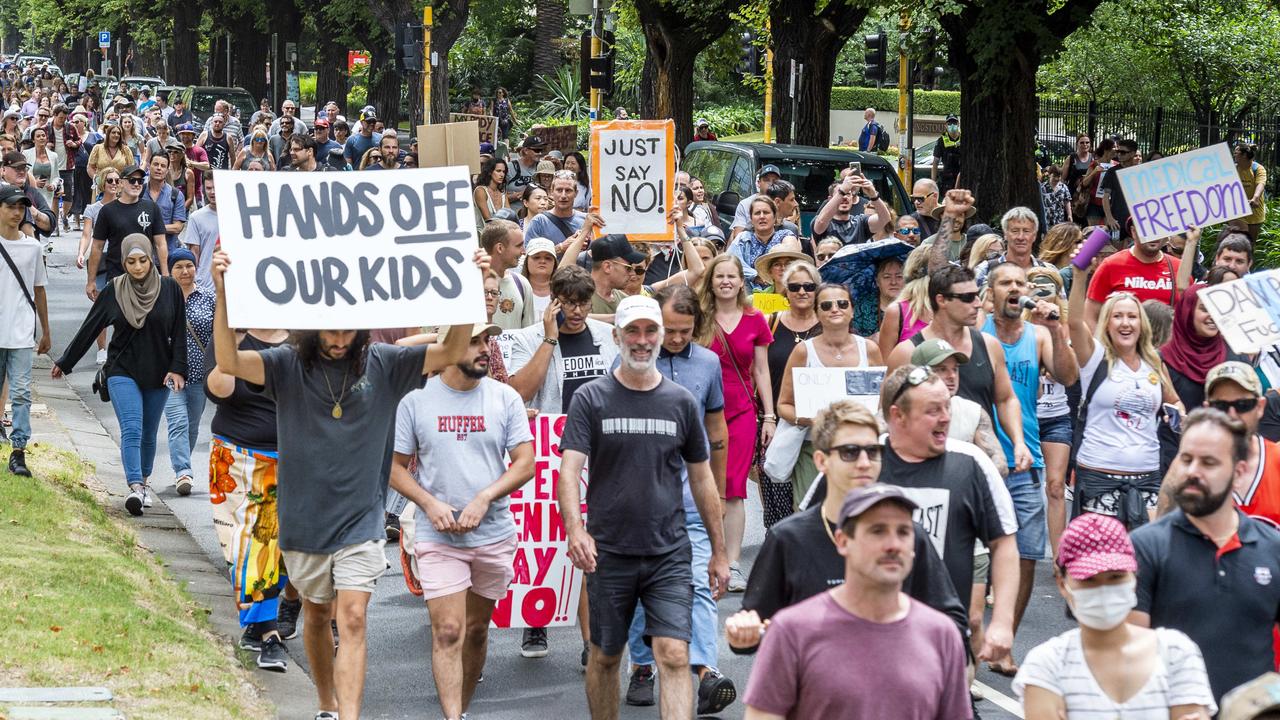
(317, 251)
(632, 170)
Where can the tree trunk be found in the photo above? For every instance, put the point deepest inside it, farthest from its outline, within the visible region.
(331, 76)
(217, 59)
(184, 68)
(813, 39)
(450, 19)
(385, 85)
(548, 34)
(250, 55)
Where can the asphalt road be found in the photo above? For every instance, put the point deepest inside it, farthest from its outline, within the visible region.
(399, 683)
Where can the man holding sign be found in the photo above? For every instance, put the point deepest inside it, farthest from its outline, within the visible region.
(335, 394)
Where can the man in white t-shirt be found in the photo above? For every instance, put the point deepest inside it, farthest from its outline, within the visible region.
(459, 426)
(504, 242)
(22, 300)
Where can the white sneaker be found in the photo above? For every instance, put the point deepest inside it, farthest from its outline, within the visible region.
(737, 583)
(146, 497)
(183, 485)
(101, 358)
(135, 501)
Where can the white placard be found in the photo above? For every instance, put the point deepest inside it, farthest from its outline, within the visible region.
(1198, 188)
(816, 388)
(632, 171)
(1247, 311)
(355, 250)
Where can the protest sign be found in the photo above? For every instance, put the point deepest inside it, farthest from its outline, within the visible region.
(632, 176)
(816, 388)
(486, 124)
(449, 144)
(316, 251)
(1246, 311)
(546, 587)
(558, 137)
(769, 303)
(1198, 188)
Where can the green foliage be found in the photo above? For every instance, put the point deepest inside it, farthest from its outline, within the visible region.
(927, 102)
(307, 87)
(1266, 252)
(563, 95)
(732, 119)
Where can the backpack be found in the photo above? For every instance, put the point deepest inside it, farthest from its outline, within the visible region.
(882, 138)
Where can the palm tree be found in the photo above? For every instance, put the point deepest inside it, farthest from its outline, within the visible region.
(547, 36)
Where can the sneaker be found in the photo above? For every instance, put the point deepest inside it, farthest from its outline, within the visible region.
(715, 692)
(183, 485)
(393, 528)
(640, 688)
(101, 357)
(287, 619)
(737, 583)
(146, 497)
(533, 643)
(18, 463)
(250, 641)
(134, 502)
(273, 656)
(326, 715)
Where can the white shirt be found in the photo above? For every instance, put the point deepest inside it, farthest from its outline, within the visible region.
(17, 319)
(1120, 433)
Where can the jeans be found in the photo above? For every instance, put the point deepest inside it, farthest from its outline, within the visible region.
(1027, 493)
(702, 649)
(138, 412)
(15, 365)
(182, 411)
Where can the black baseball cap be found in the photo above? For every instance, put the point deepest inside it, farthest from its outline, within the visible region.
(132, 169)
(533, 142)
(10, 194)
(615, 247)
(14, 158)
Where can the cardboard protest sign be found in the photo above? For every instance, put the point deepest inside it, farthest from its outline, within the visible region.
(546, 587)
(317, 251)
(1191, 189)
(486, 124)
(633, 167)
(816, 388)
(557, 137)
(449, 144)
(1247, 311)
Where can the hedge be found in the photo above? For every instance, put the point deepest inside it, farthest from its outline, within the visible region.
(928, 102)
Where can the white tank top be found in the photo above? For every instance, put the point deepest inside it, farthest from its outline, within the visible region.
(812, 360)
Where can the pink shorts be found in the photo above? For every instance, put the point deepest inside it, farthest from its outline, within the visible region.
(445, 569)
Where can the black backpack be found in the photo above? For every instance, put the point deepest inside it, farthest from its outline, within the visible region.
(882, 138)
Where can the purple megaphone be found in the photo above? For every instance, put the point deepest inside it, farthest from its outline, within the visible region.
(1091, 246)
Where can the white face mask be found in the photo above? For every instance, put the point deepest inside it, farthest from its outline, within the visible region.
(1104, 607)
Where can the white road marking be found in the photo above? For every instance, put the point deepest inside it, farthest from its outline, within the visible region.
(999, 699)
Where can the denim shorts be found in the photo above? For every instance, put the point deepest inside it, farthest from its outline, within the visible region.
(1057, 430)
(1027, 492)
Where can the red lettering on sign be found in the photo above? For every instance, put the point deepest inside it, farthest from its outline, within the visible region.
(521, 566)
(543, 556)
(502, 611)
(538, 607)
(530, 521)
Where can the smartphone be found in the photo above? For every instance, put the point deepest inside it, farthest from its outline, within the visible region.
(1174, 417)
(856, 168)
(559, 318)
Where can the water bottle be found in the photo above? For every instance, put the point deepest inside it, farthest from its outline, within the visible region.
(1090, 247)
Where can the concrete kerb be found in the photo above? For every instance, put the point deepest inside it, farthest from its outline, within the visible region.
(160, 532)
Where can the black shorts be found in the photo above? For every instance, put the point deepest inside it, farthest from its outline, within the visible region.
(663, 583)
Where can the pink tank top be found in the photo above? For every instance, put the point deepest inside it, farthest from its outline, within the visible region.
(910, 324)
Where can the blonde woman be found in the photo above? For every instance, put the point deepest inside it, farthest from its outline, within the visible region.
(1120, 449)
(255, 149)
(986, 247)
(739, 335)
(911, 311)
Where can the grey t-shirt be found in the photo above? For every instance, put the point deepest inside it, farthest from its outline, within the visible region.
(202, 232)
(460, 439)
(542, 226)
(333, 471)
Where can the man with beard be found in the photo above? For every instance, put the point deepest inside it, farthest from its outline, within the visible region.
(636, 548)
(1207, 568)
(1144, 270)
(459, 426)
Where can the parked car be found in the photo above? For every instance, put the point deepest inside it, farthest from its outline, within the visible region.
(728, 172)
(200, 100)
(1049, 149)
(140, 81)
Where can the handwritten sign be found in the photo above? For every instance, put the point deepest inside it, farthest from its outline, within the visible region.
(316, 251)
(488, 125)
(1191, 189)
(557, 137)
(546, 587)
(816, 388)
(769, 302)
(1247, 311)
(632, 176)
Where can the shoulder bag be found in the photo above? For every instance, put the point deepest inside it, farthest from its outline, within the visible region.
(100, 379)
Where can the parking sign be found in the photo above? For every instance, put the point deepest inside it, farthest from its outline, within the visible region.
(104, 39)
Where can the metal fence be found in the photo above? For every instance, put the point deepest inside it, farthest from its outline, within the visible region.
(1158, 129)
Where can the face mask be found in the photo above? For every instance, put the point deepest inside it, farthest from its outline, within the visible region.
(953, 128)
(1103, 607)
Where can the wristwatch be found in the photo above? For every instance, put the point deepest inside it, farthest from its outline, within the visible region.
(551, 341)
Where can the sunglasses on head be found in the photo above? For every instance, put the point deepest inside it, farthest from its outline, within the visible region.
(850, 453)
(827, 305)
(1241, 406)
(965, 297)
(916, 377)
(802, 287)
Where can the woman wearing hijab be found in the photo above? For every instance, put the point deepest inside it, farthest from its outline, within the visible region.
(146, 359)
(1195, 347)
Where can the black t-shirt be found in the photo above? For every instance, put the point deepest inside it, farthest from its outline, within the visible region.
(176, 118)
(848, 232)
(582, 363)
(118, 220)
(798, 561)
(219, 150)
(246, 417)
(956, 508)
(978, 376)
(948, 156)
(638, 443)
(1119, 207)
(1269, 426)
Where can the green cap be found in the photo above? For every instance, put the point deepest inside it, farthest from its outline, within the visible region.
(932, 352)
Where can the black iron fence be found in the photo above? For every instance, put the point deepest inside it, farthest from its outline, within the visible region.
(1160, 130)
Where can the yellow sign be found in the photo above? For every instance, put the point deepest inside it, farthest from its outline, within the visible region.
(769, 302)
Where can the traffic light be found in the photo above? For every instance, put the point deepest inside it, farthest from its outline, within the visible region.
(408, 48)
(876, 58)
(596, 72)
(750, 64)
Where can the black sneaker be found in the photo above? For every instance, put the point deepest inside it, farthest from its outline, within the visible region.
(287, 618)
(273, 656)
(640, 688)
(715, 692)
(18, 463)
(250, 641)
(533, 643)
(393, 528)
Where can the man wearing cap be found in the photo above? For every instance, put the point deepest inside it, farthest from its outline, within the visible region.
(520, 172)
(613, 261)
(636, 548)
(197, 158)
(459, 426)
(181, 114)
(324, 143)
(13, 171)
(742, 214)
(844, 216)
(947, 154)
(22, 302)
(131, 213)
(361, 141)
(504, 242)
(702, 131)
(1207, 568)
(825, 657)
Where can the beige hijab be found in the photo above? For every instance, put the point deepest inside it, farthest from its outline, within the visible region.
(136, 297)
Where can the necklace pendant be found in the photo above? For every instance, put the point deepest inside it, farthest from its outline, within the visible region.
(337, 411)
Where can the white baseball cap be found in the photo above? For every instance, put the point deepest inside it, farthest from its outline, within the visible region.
(637, 307)
(539, 245)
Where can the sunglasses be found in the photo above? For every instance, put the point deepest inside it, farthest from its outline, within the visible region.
(638, 270)
(916, 377)
(112, 181)
(921, 198)
(134, 180)
(908, 231)
(850, 453)
(827, 305)
(802, 287)
(1241, 406)
(259, 140)
(822, 257)
(965, 297)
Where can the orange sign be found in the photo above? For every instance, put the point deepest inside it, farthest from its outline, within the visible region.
(633, 165)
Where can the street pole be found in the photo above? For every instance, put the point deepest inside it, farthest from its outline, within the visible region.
(426, 64)
(797, 71)
(164, 60)
(597, 48)
(768, 83)
(228, 59)
(904, 99)
(275, 100)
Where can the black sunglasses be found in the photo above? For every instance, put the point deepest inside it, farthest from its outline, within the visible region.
(1241, 406)
(638, 269)
(803, 287)
(916, 377)
(965, 297)
(826, 305)
(850, 453)
(133, 180)
(822, 257)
